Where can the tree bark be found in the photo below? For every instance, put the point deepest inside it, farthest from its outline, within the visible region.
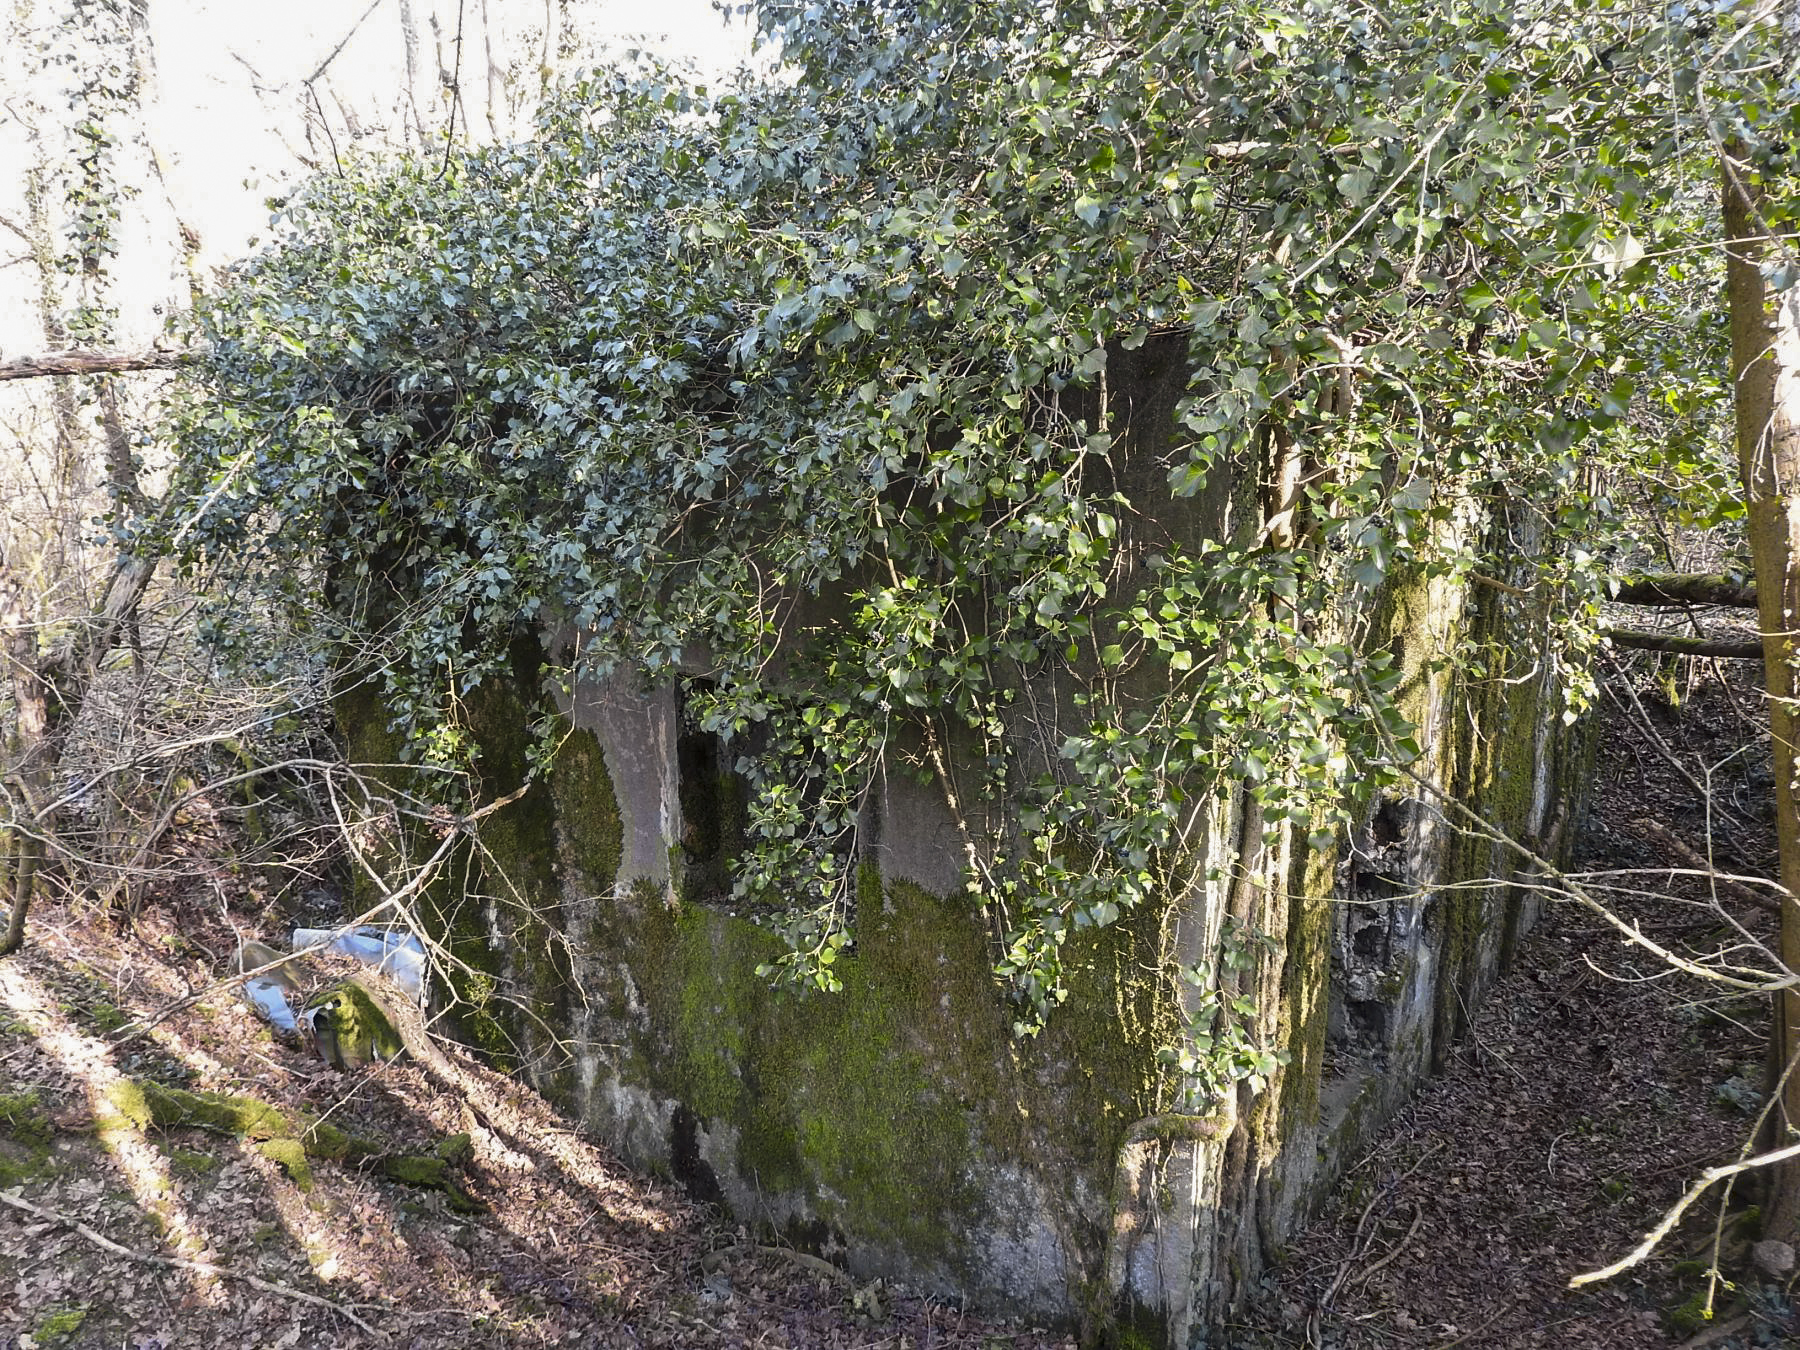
(79, 362)
(1765, 367)
(27, 771)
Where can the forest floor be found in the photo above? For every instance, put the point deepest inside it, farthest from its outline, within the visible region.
(117, 1237)
(1595, 1086)
(1592, 1091)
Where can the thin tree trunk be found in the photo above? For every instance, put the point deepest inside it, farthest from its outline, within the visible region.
(48, 691)
(1765, 367)
(27, 752)
(1685, 588)
(1674, 644)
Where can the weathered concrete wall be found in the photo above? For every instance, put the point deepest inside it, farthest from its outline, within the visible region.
(896, 1126)
(1393, 940)
(899, 1126)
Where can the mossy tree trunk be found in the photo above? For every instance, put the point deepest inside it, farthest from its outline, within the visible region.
(1765, 360)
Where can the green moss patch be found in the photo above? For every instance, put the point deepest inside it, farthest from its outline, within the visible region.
(173, 1108)
(433, 1173)
(58, 1325)
(23, 1118)
(523, 954)
(587, 813)
(187, 1162)
(290, 1154)
(25, 1132)
(353, 1031)
(891, 1106)
(293, 1141)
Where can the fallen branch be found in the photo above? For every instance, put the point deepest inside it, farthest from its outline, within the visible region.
(1358, 1243)
(1713, 1335)
(1475, 1331)
(1681, 849)
(1394, 1251)
(79, 362)
(717, 1258)
(1686, 588)
(1737, 649)
(183, 1263)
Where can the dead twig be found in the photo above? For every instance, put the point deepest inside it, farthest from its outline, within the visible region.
(183, 1263)
(1400, 1246)
(1713, 1335)
(1672, 1217)
(1357, 1245)
(1769, 904)
(1473, 1332)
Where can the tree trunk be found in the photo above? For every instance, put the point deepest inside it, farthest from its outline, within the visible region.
(1685, 588)
(27, 755)
(1674, 644)
(48, 691)
(1765, 367)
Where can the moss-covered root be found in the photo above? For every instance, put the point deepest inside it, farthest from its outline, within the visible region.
(288, 1140)
(434, 1172)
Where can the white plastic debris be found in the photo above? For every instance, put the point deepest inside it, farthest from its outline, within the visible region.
(267, 992)
(399, 956)
(270, 999)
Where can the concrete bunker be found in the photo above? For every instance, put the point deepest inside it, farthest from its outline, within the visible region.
(900, 1127)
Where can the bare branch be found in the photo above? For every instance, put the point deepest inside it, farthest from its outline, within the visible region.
(1710, 1177)
(182, 1263)
(79, 362)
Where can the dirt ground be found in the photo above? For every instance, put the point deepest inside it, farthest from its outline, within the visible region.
(1594, 1090)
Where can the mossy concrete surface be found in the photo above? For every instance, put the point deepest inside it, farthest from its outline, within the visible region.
(896, 1125)
(1417, 913)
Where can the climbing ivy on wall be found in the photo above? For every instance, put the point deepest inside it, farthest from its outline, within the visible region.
(806, 388)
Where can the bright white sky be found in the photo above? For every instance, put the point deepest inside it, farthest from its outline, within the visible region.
(233, 80)
(236, 121)
(688, 28)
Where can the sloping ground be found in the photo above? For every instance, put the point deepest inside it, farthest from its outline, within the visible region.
(1596, 1088)
(113, 1235)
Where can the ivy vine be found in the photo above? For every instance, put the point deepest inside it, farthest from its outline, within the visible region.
(808, 390)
